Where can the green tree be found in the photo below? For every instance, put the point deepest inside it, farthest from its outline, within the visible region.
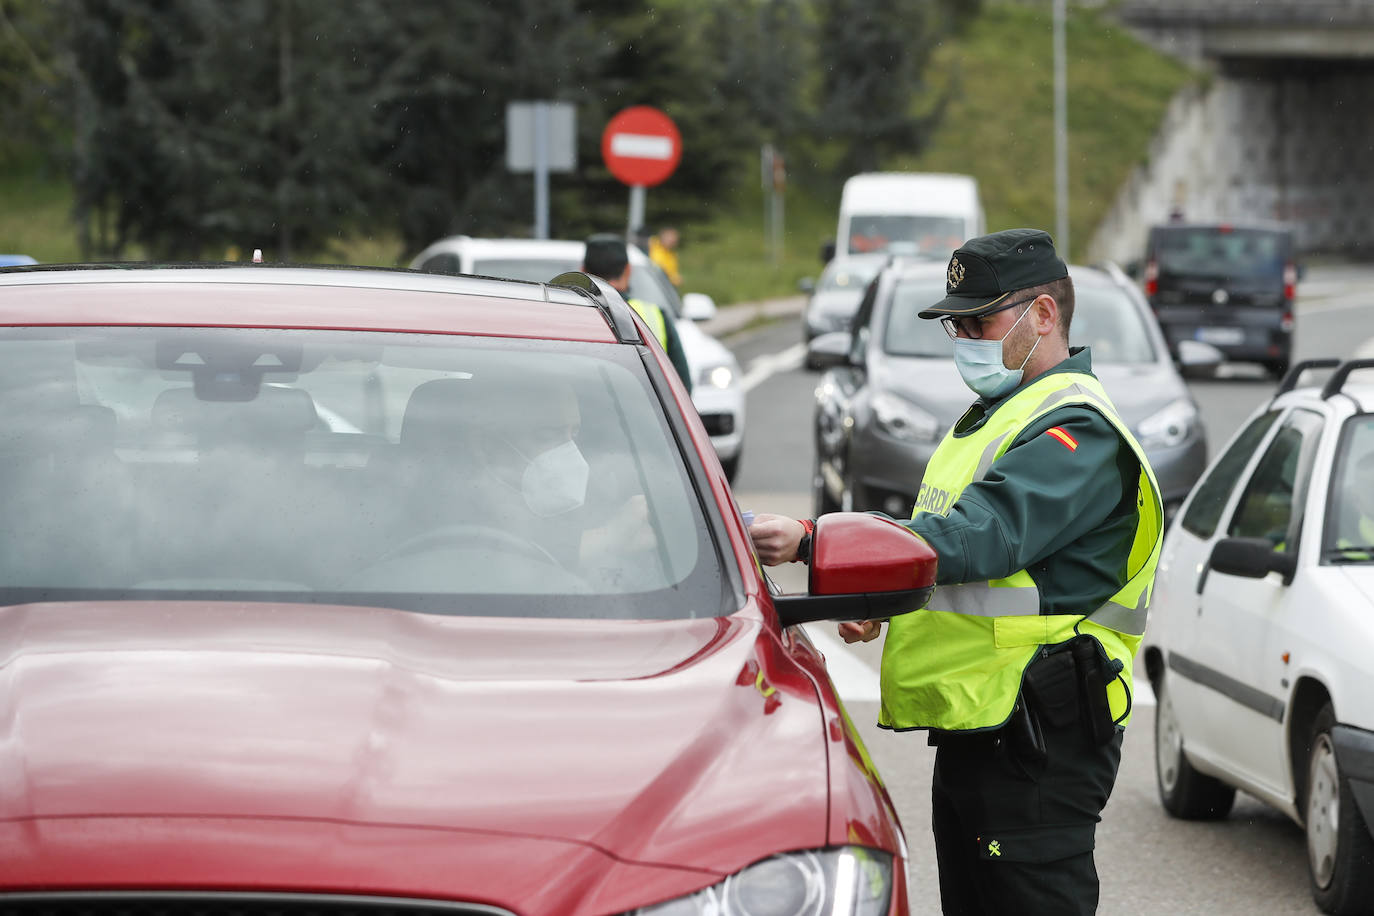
(873, 55)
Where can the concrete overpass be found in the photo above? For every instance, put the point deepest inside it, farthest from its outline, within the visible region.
(1281, 129)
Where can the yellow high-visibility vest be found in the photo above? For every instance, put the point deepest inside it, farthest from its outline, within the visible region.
(957, 665)
(653, 317)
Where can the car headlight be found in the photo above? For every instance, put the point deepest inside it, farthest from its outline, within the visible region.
(901, 419)
(718, 376)
(1169, 426)
(849, 880)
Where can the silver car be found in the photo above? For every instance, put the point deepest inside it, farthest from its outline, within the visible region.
(891, 390)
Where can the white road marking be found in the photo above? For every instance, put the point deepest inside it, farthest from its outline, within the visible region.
(761, 368)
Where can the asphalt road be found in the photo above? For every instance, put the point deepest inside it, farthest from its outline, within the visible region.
(1251, 864)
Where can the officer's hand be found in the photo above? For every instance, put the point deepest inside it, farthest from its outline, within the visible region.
(776, 538)
(862, 631)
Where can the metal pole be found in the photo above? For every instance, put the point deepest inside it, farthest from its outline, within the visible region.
(541, 170)
(636, 211)
(1061, 136)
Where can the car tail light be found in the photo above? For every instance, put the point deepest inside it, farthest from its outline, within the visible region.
(1290, 281)
(1151, 278)
(1286, 322)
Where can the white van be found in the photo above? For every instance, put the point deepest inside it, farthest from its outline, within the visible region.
(908, 213)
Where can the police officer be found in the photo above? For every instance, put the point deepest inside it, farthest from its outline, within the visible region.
(608, 257)
(1047, 520)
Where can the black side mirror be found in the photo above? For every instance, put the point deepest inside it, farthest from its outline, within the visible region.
(827, 251)
(828, 350)
(1252, 558)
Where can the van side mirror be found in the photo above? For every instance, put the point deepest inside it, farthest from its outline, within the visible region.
(827, 251)
(1134, 268)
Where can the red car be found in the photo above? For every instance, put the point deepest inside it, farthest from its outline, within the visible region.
(342, 591)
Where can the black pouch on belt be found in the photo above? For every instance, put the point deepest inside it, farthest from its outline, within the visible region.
(1052, 688)
(1095, 671)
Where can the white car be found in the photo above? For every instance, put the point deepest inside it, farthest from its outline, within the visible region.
(1260, 645)
(716, 375)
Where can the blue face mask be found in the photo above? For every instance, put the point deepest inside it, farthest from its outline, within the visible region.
(981, 367)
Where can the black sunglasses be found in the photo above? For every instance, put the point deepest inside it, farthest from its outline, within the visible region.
(973, 326)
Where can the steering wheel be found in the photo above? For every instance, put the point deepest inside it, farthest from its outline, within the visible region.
(458, 535)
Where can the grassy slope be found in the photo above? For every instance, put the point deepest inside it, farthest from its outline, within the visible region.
(998, 127)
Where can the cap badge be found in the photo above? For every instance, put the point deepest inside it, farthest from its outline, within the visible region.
(955, 275)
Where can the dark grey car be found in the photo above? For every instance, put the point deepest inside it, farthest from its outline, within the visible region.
(890, 389)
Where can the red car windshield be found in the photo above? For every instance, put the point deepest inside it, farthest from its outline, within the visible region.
(425, 472)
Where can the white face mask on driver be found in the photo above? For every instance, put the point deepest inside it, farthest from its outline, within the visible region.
(555, 481)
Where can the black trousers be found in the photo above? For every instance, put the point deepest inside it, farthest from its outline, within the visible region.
(1015, 813)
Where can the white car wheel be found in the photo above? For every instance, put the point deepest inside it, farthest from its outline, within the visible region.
(1323, 811)
(1339, 845)
(1183, 791)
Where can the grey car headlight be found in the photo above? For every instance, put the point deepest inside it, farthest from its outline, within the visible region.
(1168, 426)
(717, 376)
(845, 881)
(901, 419)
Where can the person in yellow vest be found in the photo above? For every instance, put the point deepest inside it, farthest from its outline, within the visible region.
(1047, 520)
(663, 252)
(606, 256)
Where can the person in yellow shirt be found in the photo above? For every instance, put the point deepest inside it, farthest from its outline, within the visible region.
(663, 252)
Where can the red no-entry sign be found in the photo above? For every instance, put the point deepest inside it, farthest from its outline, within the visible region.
(641, 146)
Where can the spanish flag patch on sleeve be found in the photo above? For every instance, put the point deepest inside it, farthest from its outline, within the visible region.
(1069, 441)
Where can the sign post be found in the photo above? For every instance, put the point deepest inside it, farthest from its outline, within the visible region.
(541, 138)
(641, 147)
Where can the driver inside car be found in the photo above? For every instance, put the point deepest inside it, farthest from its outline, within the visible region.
(511, 462)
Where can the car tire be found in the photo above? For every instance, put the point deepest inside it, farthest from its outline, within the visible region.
(1183, 791)
(821, 503)
(1339, 847)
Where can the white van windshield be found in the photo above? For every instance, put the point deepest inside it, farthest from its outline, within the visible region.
(905, 234)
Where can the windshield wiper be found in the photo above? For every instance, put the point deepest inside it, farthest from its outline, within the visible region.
(1357, 553)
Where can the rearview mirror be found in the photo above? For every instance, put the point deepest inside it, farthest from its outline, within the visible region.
(1198, 358)
(862, 568)
(1252, 558)
(698, 307)
(828, 350)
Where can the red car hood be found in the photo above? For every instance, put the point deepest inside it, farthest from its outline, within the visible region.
(529, 746)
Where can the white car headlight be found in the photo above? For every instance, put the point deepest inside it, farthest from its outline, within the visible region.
(718, 376)
(901, 419)
(847, 881)
(1169, 426)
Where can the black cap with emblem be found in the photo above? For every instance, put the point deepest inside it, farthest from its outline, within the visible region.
(987, 269)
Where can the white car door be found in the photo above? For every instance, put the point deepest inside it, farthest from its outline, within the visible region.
(1244, 695)
(1176, 620)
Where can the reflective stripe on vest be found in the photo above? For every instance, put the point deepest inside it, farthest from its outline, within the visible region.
(957, 665)
(653, 317)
